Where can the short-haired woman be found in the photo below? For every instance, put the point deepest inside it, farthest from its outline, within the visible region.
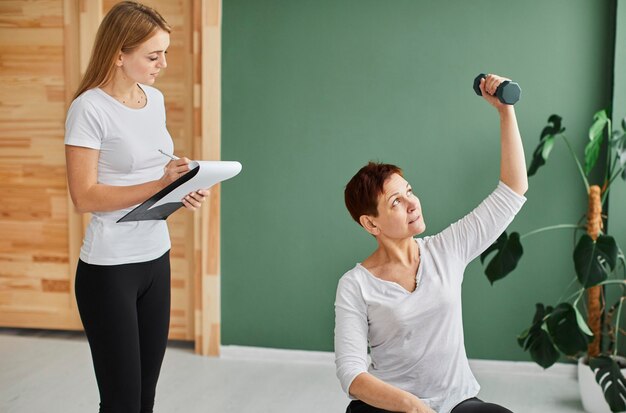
(114, 130)
(404, 300)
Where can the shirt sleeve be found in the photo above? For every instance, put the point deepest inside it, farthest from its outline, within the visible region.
(471, 235)
(83, 126)
(350, 333)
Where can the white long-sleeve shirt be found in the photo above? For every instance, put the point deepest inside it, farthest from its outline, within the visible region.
(416, 338)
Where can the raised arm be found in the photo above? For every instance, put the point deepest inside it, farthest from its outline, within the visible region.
(512, 161)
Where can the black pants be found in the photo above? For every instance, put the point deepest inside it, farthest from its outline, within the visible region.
(125, 310)
(473, 405)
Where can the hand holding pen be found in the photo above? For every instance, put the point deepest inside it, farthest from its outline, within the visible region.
(176, 168)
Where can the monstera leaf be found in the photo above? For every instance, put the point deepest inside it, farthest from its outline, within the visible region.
(596, 135)
(537, 341)
(509, 251)
(594, 260)
(568, 330)
(611, 380)
(546, 142)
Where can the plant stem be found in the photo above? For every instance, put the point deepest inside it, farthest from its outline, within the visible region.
(580, 295)
(619, 312)
(568, 287)
(623, 282)
(606, 185)
(613, 165)
(579, 292)
(608, 152)
(550, 228)
(622, 258)
(575, 234)
(606, 191)
(580, 168)
(607, 179)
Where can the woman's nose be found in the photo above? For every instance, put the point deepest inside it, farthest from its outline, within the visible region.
(163, 62)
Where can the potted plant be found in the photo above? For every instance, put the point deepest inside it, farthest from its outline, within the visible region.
(600, 266)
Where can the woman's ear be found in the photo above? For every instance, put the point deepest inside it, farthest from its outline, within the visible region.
(368, 223)
(119, 62)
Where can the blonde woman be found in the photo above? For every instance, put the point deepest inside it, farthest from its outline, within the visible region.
(114, 130)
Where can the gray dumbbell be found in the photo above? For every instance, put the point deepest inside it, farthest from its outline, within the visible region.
(508, 92)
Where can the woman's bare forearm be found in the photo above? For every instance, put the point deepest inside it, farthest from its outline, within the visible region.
(377, 393)
(90, 196)
(105, 198)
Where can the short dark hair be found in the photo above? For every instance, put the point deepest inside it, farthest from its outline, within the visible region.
(361, 193)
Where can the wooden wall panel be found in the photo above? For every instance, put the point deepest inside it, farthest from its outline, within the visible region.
(35, 286)
(45, 46)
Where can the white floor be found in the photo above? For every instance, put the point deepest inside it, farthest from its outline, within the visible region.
(43, 371)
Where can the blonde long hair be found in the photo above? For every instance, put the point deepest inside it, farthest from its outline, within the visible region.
(127, 25)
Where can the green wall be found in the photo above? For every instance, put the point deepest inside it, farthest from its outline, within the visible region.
(312, 90)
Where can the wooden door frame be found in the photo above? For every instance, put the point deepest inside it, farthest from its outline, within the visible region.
(207, 33)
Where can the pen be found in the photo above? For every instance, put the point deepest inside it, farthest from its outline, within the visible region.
(172, 157)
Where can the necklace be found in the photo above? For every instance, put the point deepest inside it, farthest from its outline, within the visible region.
(139, 101)
(123, 100)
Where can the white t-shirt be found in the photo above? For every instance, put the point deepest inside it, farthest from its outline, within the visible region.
(416, 338)
(128, 141)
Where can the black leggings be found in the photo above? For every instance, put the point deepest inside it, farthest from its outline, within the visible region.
(125, 310)
(473, 405)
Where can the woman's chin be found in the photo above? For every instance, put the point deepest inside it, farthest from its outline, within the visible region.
(419, 230)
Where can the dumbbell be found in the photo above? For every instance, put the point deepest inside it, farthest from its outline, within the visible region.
(508, 92)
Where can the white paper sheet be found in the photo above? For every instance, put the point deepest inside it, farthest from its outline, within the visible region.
(209, 174)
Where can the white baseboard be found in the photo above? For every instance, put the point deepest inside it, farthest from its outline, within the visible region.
(328, 357)
(527, 368)
(276, 354)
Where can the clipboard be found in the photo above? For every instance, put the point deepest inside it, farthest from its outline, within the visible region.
(202, 175)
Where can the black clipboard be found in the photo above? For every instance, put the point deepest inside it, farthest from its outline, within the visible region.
(146, 211)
